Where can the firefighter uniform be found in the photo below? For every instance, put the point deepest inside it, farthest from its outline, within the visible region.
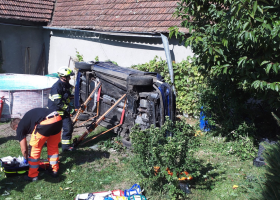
(44, 125)
(59, 100)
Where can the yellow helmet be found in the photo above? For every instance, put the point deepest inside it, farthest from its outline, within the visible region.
(65, 71)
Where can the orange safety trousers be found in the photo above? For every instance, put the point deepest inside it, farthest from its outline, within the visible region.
(37, 142)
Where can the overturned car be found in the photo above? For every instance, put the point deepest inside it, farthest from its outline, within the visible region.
(148, 98)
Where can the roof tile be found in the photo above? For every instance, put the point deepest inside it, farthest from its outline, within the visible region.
(30, 10)
(116, 15)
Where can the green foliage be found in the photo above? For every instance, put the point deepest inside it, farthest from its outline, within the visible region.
(153, 147)
(187, 80)
(238, 143)
(96, 59)
(112, 62)
(114, 143)
(236, 42)
(270, 186)
(88, 170)
(237, 49)
(80, 57)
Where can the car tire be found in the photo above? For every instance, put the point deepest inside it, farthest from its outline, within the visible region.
(140, 80)
(83, 117)
(126, 143)
(83, 65)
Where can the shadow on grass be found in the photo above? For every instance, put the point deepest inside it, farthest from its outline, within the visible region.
(6, 139)
(205, 181)
(81, 156)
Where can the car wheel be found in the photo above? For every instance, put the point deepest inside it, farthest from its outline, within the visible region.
(83, 65)
(140, 80)
(126, 143)
(83, 117)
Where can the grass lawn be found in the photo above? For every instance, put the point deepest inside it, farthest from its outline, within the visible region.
(93, 170)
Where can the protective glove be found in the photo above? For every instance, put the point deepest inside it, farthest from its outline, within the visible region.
(25, 161)
(73, 112)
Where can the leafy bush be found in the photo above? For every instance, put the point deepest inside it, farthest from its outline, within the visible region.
(236, 44)
(79, 57)
(236, 40)
(154, 147)
(187, 81)
(269, 188)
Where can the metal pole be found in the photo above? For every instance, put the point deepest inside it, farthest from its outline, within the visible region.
(42, 98)
(168, 59)
(10, 103)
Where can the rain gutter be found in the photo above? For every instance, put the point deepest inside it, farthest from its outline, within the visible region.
(104, 33)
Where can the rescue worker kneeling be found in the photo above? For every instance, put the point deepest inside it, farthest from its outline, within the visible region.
(43, 125)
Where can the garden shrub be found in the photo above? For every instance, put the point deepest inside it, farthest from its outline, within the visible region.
(154, 147)
(236, 46)
(187, 80)
(269, 187)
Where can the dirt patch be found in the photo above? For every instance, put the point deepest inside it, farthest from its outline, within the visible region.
(6, 131)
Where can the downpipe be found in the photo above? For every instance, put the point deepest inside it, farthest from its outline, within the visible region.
(168, 59)
(170, 69)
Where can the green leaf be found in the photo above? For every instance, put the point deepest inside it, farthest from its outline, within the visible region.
(264, 62)
(242, 59)
(190, 29)
(255, 5)
(69, 182)
(259, 9)
(39, 196)
(259, 19)
(275, 68)
(225, 42)
(245, 25)
(252, 14)
(211, 50)
(276, 87)
(272, 86)
(225, 70)
(268, 67)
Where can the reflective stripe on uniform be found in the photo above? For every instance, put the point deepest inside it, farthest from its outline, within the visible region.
(60, 112)
(33, 166)
(65, 141)
(33, 160)
(53, 162)
(53, 156)
(19, 172)
(65, 106)
(55, 96)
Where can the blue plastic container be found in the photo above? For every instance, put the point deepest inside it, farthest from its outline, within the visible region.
(203, 123)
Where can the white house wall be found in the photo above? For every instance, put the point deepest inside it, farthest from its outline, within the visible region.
(124, 50)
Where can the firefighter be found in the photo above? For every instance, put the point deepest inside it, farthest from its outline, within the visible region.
(44, 125)
(59, 100)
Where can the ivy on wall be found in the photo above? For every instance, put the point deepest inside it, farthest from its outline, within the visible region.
(188, 82)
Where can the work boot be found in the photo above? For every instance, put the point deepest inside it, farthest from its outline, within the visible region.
(27, 178)
(52, 173)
